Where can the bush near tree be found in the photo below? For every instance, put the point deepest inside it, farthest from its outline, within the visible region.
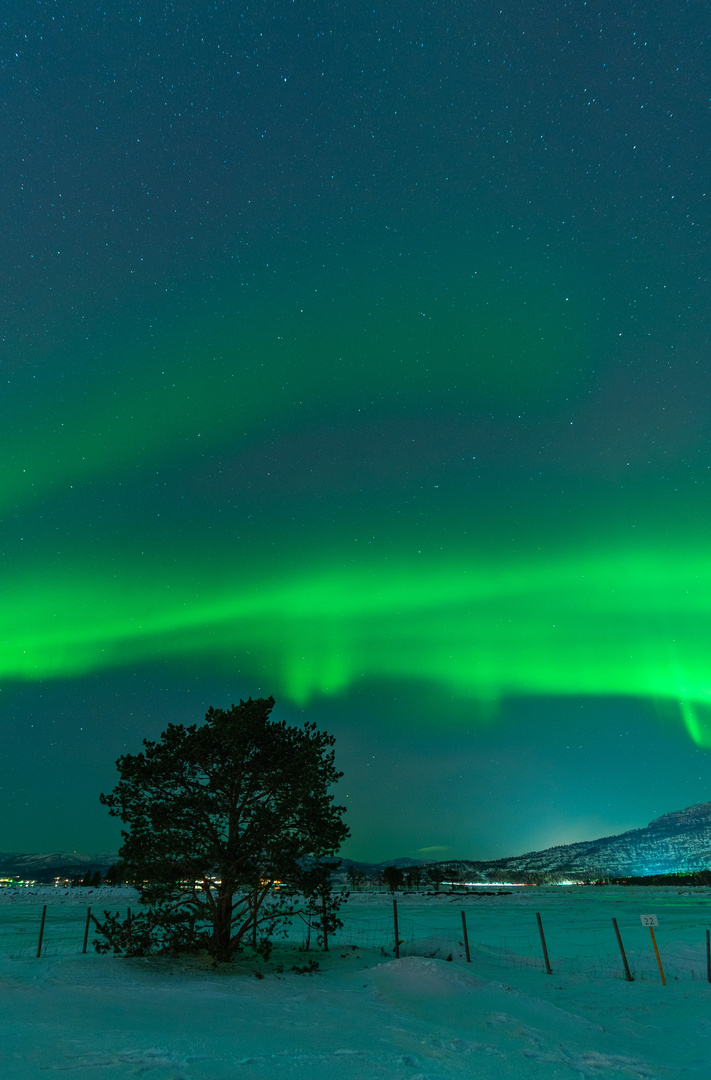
(215, 816)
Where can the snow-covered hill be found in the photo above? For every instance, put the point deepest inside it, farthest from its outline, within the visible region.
(678, 842)
(44, 866)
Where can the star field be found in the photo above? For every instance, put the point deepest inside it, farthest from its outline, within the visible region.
(360, 356)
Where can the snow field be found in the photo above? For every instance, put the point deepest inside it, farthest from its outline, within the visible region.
(502, 929)
(366, 1015)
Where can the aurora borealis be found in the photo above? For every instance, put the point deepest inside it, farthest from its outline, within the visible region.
(360, 356)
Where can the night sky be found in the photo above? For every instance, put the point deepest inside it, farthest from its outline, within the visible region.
(358, 354)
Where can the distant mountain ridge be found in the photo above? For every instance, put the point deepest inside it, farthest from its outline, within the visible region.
(46, 866)
(675, 843)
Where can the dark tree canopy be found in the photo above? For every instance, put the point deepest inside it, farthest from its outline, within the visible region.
(215, 814)
(393, 878)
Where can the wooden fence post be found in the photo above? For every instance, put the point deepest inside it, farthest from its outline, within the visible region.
(86, 928)
(466, 938)
(41, 933)
(628, 975)
(543, 943)
(397, 932)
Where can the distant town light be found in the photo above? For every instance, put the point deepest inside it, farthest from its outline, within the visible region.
(498, 884)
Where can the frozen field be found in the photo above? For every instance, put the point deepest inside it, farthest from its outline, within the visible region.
(367, 1014)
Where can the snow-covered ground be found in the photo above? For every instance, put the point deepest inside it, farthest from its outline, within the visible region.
(367, 1014)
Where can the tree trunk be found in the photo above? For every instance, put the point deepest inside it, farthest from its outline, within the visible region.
(222, 928)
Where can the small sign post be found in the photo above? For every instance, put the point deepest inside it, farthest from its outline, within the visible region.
(651, 921)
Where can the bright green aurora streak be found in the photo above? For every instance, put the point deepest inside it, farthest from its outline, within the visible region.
(613, 625)
(598, 620)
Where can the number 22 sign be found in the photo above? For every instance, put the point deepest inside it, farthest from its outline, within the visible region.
(649, 920)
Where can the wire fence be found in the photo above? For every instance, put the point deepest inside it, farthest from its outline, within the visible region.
(591, 951)
(597, 955)
(63, 930)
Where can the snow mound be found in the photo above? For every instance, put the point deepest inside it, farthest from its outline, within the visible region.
(442, 946)
(421, 977)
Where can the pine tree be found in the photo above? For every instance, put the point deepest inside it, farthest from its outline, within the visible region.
(214, 815)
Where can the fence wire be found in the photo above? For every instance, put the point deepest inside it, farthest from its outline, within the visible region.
(596, 956)
(590, 951)
(62, 933)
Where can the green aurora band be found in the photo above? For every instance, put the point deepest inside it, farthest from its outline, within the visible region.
(604, 625)
(560, 620)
